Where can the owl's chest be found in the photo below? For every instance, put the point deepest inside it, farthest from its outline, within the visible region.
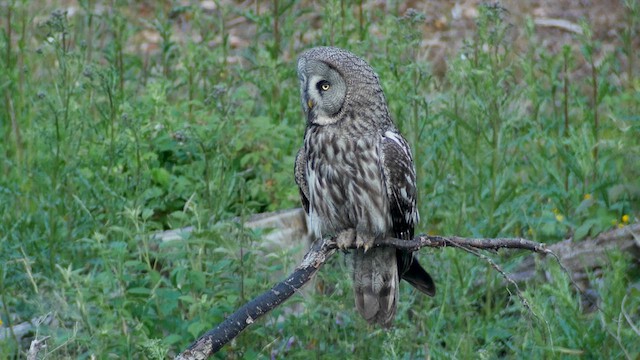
(346, 186)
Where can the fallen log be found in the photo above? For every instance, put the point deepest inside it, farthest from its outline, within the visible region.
(586, 256)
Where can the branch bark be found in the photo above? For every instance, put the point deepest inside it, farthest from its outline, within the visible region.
(320, 251)
(213, 340)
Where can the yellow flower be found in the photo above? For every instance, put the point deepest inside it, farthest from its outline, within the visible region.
(587, 196)
(559, 217)
(625, 218)
(0, 322)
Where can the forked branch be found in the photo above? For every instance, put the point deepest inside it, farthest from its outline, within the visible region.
(320, 251)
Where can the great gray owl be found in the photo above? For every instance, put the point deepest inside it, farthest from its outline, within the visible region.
(357, 178)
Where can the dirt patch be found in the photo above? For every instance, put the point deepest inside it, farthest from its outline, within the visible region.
(447, 24)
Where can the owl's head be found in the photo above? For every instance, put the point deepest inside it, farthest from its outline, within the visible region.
(332, 81)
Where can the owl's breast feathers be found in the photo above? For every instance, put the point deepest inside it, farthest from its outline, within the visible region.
(345, 182)
(365, 183)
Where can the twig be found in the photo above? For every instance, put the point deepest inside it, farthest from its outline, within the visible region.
(626, 316)
(320, 251)
(560, 24)
(506, 277)
(36, 346)
(484, 244)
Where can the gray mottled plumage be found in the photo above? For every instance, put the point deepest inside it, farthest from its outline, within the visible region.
(356, 176)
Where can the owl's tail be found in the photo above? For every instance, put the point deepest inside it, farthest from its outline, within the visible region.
(415, 274)
(376, 284)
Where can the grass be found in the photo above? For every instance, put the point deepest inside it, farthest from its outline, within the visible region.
(122, 120)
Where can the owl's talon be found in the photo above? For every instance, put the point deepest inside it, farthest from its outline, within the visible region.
(363, 242)
(346, 239)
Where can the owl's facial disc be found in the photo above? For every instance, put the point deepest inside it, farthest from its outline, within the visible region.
(323, 91)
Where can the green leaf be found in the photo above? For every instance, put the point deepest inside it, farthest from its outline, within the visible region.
(583, 230)
(197, 279)
(139, 291)
(197, 327)
(161, 176)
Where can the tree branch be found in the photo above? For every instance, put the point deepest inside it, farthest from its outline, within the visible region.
(320, 251)
(484, 244)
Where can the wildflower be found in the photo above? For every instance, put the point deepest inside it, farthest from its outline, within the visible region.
(625, 218)
(559, 217)
(587, 196)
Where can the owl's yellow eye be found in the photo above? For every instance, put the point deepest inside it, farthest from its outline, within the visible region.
(323, 85)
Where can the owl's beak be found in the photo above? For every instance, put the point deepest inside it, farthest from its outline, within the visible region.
(309, 103)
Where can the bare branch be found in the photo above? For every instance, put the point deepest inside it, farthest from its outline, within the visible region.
(560, 24)
(216, 338)
(484, 244)
(321, 250)
(626, 316)
(37, 345)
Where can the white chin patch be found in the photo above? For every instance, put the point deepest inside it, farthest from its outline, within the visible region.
(323, 120)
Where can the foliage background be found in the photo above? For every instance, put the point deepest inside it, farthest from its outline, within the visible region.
(122, 118)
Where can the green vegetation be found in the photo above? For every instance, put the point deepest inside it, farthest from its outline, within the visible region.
(124, 119)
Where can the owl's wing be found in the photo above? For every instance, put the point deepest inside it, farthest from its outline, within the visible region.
(400, 181)
(299, 171)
